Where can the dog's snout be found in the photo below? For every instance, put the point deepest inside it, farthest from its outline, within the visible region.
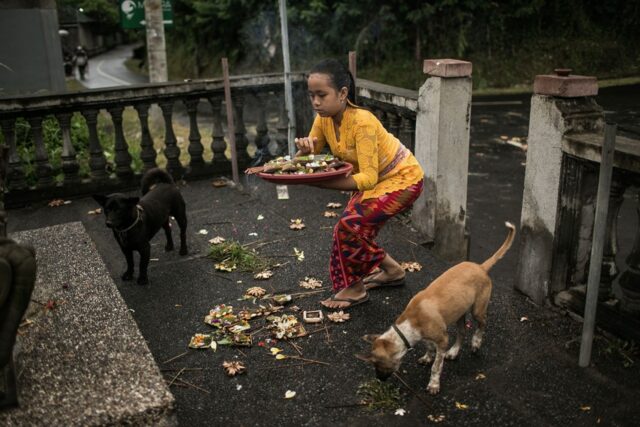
(109, 224)
(383, 376)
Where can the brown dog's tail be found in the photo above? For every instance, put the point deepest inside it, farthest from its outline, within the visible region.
(503, 249)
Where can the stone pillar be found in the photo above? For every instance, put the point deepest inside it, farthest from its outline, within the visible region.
(555, 112)
(442, 148)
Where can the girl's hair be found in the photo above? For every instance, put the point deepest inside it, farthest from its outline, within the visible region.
(339, 75)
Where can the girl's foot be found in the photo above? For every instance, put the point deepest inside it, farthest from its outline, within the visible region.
(346, 298)
(393, 277)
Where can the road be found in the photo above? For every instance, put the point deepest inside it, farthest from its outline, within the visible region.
(109, 69)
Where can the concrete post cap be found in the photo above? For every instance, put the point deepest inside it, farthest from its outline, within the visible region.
(565, 85)
(447, 67)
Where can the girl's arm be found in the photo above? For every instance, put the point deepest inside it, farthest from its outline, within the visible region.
(344, 183)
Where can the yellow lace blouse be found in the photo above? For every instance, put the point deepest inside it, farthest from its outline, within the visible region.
(381, 163)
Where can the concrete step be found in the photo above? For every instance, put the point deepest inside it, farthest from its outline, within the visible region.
(82, 359)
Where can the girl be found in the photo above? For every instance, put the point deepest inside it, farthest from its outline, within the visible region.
(387, 180)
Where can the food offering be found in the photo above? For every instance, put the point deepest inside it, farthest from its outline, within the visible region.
(302, 169)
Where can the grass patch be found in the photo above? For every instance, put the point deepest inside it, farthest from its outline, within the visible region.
(377, 395)
(233, 254)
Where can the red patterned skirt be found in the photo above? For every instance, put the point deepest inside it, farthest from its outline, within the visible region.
(355, 253)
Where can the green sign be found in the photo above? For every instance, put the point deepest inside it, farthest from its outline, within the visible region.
(132, 13)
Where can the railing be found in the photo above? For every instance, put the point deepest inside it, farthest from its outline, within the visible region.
(34, 179)
(258, 104)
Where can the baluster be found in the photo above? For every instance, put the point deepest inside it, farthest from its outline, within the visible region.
(283, 128)
(262, 132)
(70, 164)
(97, 161)
(218, 145)
(15, 178)
(241, 132)
(630, 279)
(196, 149)
(382, 117)
(4, 163)
(147, 152)
(43, 167)
(394, 124)
(610, 269)
(171, 150)
(407, 132)
(122, 156)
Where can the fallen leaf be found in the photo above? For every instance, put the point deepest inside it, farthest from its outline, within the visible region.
(461, 405)
(411, 266)
(524, 319)
(585, 408)
(400, 412)
(217, 240)
(260, 217)
(263, 275)
(57, 202)
(280, 356)
(481, 376)
(95, 212)
(330, 214)
(233, 368)
(435, 418)
(310, 283)
(214, 345)
(218, 183)
(334, 205)
(256, 291)
(339, 316)
(275, 350)
(297, 224)
(299, 254)
(203, 232)
(290, 394)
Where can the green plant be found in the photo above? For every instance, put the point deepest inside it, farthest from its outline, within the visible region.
(233, 253)
(376, 394)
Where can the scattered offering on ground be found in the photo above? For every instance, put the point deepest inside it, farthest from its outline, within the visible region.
(411, 266)
(290, 394)
(297, 224)
(330, 214)
(298, 254)
(217, 240)
(461, 406)
(435, 418)
(95, 212)
(218, 183)
(58, 202)
(256, 291)
(203, 232)
(285, 327)
(229, 255)
(334, 205)
(263, 275)
(339, 316)
(310, 283)
(233, 368)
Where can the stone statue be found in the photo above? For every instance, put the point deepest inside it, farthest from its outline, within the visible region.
(17, 277)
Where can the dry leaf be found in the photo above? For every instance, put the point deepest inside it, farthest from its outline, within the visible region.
(263, 275)
(310, 283)
(481, 376)
(334, 205)
(217, 240)
(298, 254)
(275, 350)
(330, 214)
(280, 356)
(256, 291)
(57, 202)
(289, 394)
(411, 266)
(233, 368)
(435, 418)
(461, 405)
(95, 212)
(203, 232)
(339, 316)
(297, 224)
(585, 408)
(524, 319)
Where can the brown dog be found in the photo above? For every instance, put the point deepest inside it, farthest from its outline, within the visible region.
(462, 288)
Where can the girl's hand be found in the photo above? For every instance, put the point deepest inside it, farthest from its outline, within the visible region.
(305, 145)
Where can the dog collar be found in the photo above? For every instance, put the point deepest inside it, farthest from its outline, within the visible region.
(138, 210)
(402, 337)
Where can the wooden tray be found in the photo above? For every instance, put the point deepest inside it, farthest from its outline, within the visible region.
(306, 178)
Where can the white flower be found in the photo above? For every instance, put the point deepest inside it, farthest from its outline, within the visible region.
(400, 412)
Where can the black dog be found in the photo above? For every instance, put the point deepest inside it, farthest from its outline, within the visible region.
(135, 221)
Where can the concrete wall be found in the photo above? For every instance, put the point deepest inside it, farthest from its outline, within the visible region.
(30, 50)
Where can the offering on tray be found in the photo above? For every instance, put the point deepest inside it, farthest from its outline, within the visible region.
(301, 165)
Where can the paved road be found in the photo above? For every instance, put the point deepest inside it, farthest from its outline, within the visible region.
(108, 70)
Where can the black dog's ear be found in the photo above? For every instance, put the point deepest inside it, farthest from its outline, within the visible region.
(364, 357)
(100, 199)
(370, 338)
(133, 200)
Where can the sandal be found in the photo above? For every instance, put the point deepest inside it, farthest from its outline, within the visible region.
(375, 284)
(352, 302)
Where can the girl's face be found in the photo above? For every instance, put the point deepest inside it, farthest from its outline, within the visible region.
(325, 99)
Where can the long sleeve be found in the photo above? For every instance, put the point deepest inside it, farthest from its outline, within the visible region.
(367, 153)
(317, 132)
